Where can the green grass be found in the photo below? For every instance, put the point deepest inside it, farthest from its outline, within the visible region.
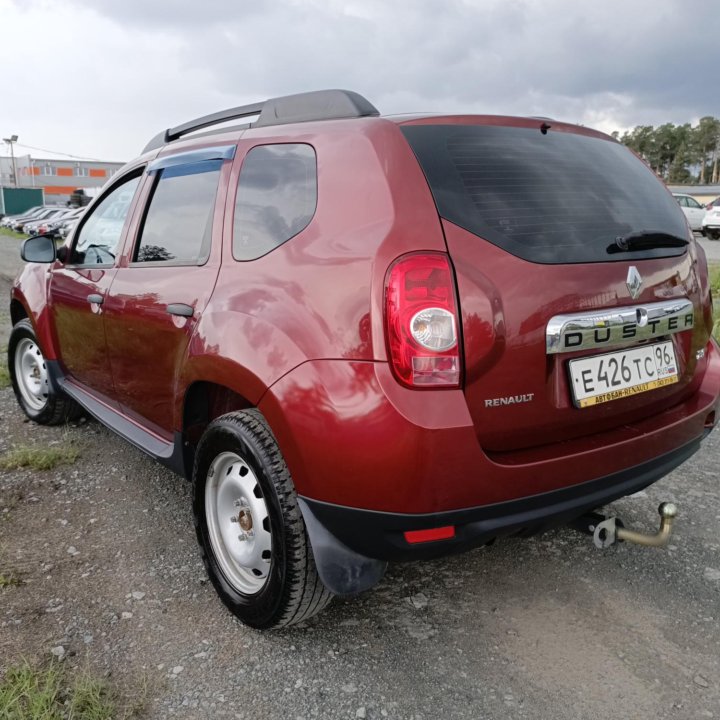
(4, 375)
(4, 372)
(38, 458)
(12, 234)
(9, 580)
(714, 269)
(54, 692)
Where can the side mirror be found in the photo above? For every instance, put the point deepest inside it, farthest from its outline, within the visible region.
(38, 249)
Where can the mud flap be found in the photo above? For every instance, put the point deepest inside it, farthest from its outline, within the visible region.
(342, 570)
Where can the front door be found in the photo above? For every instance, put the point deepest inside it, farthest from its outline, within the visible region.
(78, 289)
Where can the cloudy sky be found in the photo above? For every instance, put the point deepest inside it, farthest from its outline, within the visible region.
(98, 78)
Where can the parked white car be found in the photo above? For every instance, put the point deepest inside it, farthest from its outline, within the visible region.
(694, 211)
(711, 223)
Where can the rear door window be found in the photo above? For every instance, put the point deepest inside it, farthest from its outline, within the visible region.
(557, 197)
(276, 198)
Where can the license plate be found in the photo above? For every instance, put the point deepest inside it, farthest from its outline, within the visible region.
(616, 375)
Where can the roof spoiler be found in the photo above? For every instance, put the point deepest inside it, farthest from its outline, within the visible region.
(304, 107)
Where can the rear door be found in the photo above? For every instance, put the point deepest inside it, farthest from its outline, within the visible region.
(165, 281)
(545, 224)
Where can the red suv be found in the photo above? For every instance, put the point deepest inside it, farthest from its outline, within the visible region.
(375, 338)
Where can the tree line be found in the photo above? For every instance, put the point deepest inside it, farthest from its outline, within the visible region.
(678, 153)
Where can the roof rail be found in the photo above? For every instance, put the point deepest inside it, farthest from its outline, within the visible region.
(303, 107)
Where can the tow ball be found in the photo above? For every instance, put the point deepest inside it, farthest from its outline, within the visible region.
(607, 531)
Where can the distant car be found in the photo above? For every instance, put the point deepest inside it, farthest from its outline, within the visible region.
(694, 211)
(31, 228)
(10, 220)
(711, 223)
(55, 225)
(19, 224)
(43, 226)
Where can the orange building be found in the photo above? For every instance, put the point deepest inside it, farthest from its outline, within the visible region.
(58, 178)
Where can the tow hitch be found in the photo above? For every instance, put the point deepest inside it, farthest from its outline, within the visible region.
(606, 531)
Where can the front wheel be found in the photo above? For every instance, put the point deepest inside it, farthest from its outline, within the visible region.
(29, 375)
(249, 526)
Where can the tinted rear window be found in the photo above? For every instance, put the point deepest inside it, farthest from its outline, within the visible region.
(553, 198)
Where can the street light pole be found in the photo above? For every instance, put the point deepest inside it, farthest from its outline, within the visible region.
(11, 142)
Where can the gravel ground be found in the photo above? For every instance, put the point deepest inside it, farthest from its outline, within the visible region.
(542, 628)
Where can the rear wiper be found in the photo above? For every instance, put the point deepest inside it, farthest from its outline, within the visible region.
(646, 240)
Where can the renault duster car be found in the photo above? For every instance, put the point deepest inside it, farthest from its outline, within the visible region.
(370, 339)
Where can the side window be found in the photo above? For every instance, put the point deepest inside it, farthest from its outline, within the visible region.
(178, 223)
(682, 201)
(693, 203)
(276, 198)
(97, 241)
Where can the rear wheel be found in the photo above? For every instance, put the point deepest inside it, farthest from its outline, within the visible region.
(249, 526)
(29, 375)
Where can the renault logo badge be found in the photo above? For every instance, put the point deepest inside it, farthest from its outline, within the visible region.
(634, 282)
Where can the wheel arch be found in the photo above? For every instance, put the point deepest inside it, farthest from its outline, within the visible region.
(29, 299)
(17, 311)
(203, 402)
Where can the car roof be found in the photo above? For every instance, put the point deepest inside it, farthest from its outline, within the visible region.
(328, 105)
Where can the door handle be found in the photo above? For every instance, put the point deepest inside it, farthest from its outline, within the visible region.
(95, 299)
(180, 309)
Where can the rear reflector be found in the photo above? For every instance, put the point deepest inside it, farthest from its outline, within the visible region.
(421, 536)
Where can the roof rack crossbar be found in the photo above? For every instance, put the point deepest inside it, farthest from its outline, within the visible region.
(304, 107)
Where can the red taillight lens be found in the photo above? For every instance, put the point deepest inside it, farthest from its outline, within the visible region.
(422, 321)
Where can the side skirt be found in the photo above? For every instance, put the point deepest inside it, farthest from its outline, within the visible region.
(169, 454)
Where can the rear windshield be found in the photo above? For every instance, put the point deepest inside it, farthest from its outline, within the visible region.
(548, 198)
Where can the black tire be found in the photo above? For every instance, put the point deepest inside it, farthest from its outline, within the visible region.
(292, 590)
(51, 408)
(715, 234)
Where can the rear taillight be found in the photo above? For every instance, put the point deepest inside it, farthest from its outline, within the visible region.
(421, 321)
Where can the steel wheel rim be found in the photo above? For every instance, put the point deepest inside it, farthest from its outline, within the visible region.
(238, 523)
(31, 374)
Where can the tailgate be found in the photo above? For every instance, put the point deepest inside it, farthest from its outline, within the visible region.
(562, 228)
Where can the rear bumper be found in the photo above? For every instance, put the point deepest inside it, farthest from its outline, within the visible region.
(353, 437)
(381, 535)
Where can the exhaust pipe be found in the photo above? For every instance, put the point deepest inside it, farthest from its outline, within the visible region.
(607, 531)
